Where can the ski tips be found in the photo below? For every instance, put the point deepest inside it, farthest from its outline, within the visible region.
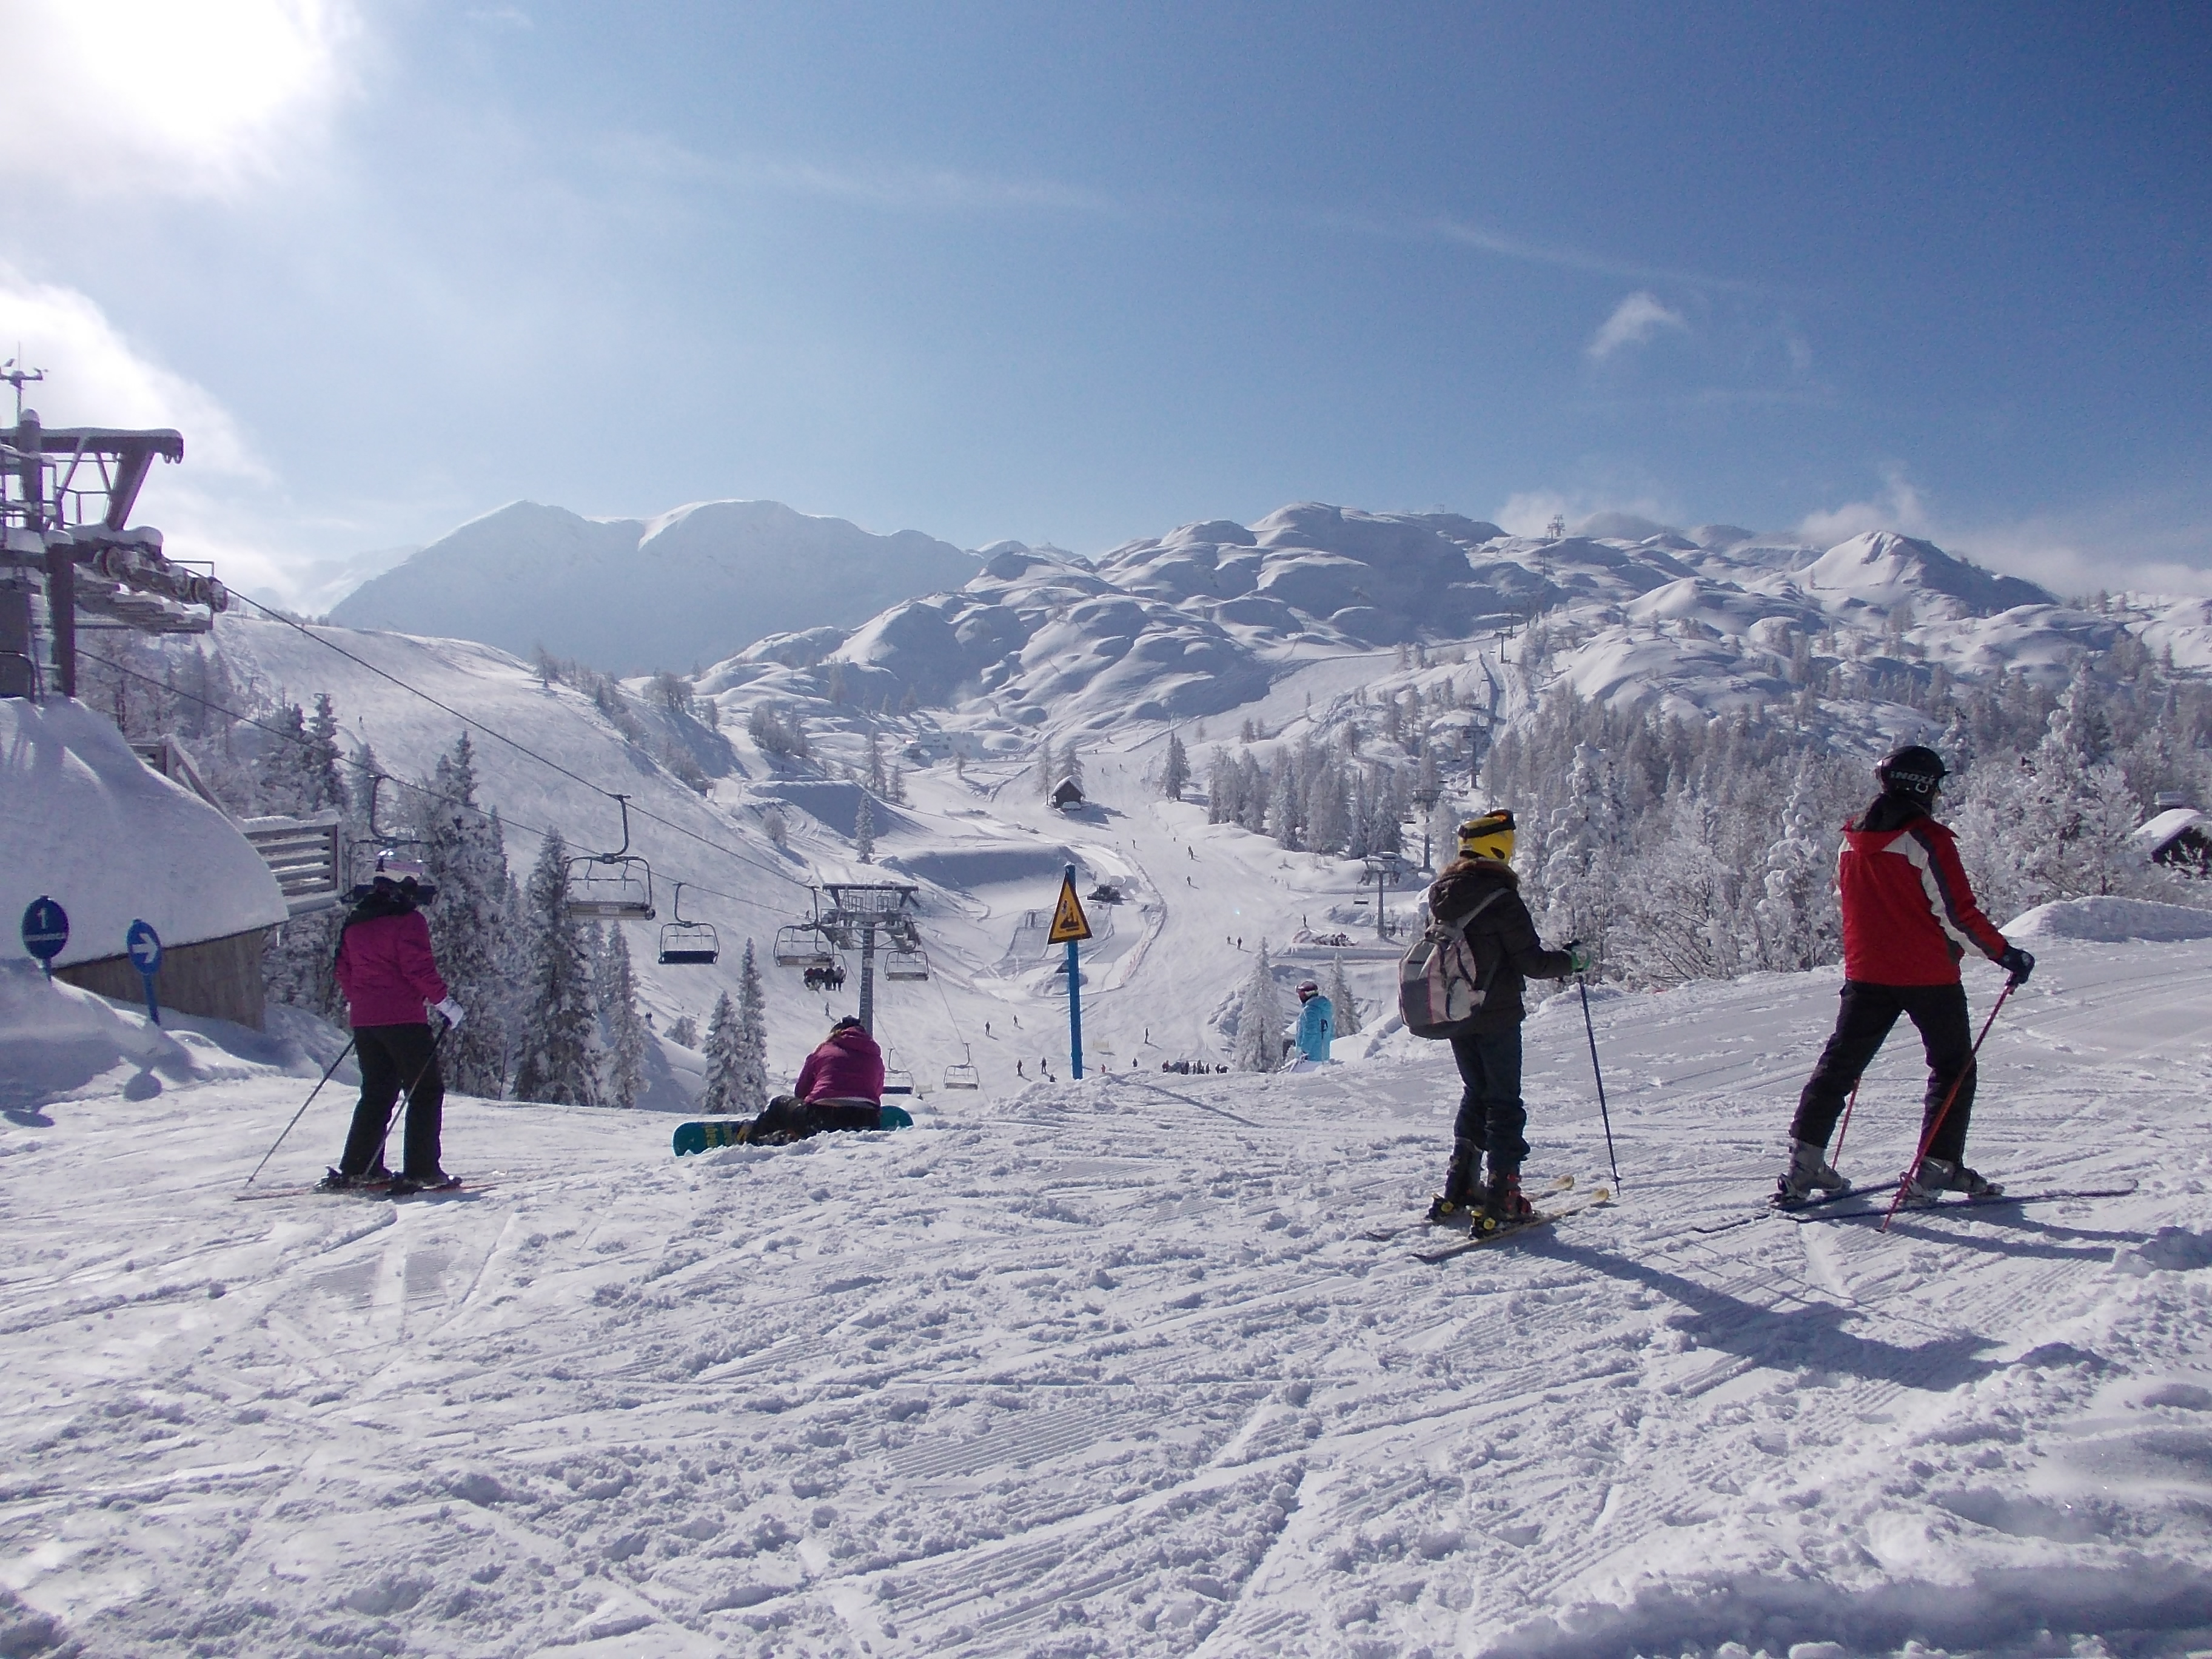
(1604, 1195)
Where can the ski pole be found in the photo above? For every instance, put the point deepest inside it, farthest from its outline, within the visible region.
(1957, 1084)
(1844, 1128)
(1604, 1116)
(301, 1113)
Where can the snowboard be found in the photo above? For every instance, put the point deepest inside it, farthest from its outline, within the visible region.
(702, 1135)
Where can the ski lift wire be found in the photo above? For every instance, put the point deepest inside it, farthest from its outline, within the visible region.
(519, 748)
(424, 790)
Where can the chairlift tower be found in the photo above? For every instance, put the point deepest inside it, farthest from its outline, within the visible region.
(1385, 868)
(1425, 800)
(66, 495)
(857, 912)
(1557, 530)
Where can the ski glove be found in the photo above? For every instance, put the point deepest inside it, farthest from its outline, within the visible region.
(2017, 962)
(1578, 957)
(450, 1011)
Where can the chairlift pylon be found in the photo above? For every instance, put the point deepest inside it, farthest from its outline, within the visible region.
(688, 944)
(615, 886)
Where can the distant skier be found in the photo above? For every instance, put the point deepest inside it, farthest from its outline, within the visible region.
(385, 968)
(1502, 937)
(840, 1086)
(1316, 1024)
(1909, 916)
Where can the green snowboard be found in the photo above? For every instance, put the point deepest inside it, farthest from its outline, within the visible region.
(730, 1131)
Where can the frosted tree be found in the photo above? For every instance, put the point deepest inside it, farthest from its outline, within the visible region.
(748, 1069)
(683, 1031)
(1260, 1019)
(1796, 920)
(1346, 1006)
(1175, 775)
(556, 1061)
(877, 782)
(622, 1028)
(464, 855)
(721, 1056)
(1071, 763)
(864, 830)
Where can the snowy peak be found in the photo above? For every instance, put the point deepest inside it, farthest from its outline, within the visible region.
(1885, 569)
(634, 594)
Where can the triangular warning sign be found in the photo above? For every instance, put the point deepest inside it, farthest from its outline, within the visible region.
(1068, 921)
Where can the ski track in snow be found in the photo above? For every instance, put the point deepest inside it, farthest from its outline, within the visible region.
(1107, 1367)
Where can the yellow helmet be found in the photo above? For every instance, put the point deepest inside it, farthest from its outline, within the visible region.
(1489, 836)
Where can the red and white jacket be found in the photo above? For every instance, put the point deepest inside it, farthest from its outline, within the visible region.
(1909, 916)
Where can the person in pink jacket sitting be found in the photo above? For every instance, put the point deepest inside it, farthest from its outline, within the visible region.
(385, 968)
(840, 1086)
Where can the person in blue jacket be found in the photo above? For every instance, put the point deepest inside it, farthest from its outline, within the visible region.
(1316, 1024)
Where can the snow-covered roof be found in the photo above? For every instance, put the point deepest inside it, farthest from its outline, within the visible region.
(85, 822)
(2165, 826)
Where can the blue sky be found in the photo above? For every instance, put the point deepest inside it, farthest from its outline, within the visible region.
(1081, 274)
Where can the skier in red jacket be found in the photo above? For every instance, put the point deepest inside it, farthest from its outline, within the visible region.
(1909, 916)
(385, 968)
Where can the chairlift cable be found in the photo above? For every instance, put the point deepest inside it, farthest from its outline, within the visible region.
(421, 789)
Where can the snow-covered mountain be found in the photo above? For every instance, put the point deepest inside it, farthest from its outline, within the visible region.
(637, 594)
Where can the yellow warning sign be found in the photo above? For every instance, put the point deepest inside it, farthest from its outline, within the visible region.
(1068, 921)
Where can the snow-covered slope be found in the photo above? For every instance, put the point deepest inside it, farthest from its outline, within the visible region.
(636, 594)
(1111, 1368)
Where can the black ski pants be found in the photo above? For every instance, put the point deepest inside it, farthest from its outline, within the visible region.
(1491, 1115)
(1868, 1010)
(395, 1058)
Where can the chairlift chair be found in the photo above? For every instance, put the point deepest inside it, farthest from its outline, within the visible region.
(798, 946)
(824, 972)
(362, 856)
(898, 1081)
(615, 886)
(906, 964)
(963, 1075)
(688, 944)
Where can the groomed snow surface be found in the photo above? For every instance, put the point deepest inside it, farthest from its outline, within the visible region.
(1111, 1368)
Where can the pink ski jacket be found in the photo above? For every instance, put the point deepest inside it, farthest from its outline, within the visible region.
(387, 972)
(846, 1067)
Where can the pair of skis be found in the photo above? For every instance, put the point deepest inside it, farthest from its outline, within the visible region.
(381, 1189)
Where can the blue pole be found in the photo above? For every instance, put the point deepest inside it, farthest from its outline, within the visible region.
(1074, 1012)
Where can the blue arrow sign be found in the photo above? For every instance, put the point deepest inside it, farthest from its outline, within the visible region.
(144, 946)
(46, 930)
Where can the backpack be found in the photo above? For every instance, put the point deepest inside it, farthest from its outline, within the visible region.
(1439, 984)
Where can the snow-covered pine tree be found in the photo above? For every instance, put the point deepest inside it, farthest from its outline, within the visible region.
(748, 1073)
(877, 782)
(1260, 1019)
(721, 1056)
(683, 1031)
(1175, 773)
(556, 1060)
(1346, 1006)
(465, 854)
(622, 1028)
(864, 830)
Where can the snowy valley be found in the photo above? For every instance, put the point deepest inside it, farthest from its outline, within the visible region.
(1112, 1366)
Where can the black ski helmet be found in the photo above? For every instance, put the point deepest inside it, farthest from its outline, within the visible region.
(1915, 770)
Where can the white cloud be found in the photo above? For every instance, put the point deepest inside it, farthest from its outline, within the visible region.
(1634, 321)
(1530, 511)
(1898, 506)
(153, 95)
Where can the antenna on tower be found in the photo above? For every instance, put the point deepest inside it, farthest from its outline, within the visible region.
(19, 378)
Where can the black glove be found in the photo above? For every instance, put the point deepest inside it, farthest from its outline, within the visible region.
(2017, 962)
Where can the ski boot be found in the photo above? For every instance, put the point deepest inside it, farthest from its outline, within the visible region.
(1934, 1177)
(1808, 1173)
(1451, 1208)
(436, 1182)
(1503, 1204)
(337, 1180)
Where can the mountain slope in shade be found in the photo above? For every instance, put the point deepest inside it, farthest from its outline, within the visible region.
(637, 594)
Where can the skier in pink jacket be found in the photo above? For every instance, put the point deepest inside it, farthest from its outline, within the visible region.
(386, 970)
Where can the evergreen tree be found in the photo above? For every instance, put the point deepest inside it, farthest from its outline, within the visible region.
(748, 1071)
(1071, 763)
(877, 782)
(465, 854)
(683, 1031)
(1260, 1019)
(556, 1062)
(622, 1029)
(1346, 1006)
(1175, 776)
(721, 1052)
(864, 830)
(323, 789)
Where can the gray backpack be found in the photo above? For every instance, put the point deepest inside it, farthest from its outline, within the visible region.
(1439, 984)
